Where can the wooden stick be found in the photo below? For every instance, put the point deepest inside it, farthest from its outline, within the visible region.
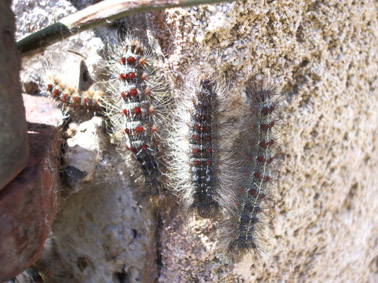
(96, 15)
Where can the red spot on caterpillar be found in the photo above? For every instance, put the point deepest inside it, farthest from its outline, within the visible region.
(49, 87)
(123, 94)
(265, 127)
(252, 192)
(64, 98)
(195, 151)
(130, 60)
(55, 93)
(257, 175)
(260, 159)
(132, 149)
(267, 110)
(122, 76)
(131, 75)
(139, 129)
(86, 103)
(124, 111)
(133, 91)
(195, 137)
(127, 131)
(144, 147)
(137, 110)
(265, 144)
(123, 60)
(76, 101)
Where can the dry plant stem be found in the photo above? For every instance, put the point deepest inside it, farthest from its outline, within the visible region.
(94, 16)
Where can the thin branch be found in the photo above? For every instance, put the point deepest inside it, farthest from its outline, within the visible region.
(96, 15)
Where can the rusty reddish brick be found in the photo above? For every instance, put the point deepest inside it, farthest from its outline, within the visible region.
(28, 204)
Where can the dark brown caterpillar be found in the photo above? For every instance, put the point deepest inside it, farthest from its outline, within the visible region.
(202, 155)
(247, 224)
(202, 126)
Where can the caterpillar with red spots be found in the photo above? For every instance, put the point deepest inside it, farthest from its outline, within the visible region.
(136, 104)
(204, 127)
(74, 88)
(246, 227)
(72, 97)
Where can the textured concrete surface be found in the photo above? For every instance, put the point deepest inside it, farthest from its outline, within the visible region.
(323, 57)
(28, 204)
(13, 140)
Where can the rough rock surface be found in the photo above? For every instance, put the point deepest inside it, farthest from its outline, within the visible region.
(13, 138)
(322, 56)
(100, 233)
(34, 15)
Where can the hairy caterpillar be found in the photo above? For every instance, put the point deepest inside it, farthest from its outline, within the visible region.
(74, 88)
(87, 100)
(136, 103)
(204, 126)
(246, 227)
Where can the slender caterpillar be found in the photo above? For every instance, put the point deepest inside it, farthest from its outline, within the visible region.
(74, 88)
(136, 105)
(247, 223)
(87, 100)
(204, 126)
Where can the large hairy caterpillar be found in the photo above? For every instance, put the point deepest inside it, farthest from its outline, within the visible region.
(246, 227)
(136, 103)
(204, 126)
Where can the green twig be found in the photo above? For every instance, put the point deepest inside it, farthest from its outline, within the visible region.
(96, 15)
